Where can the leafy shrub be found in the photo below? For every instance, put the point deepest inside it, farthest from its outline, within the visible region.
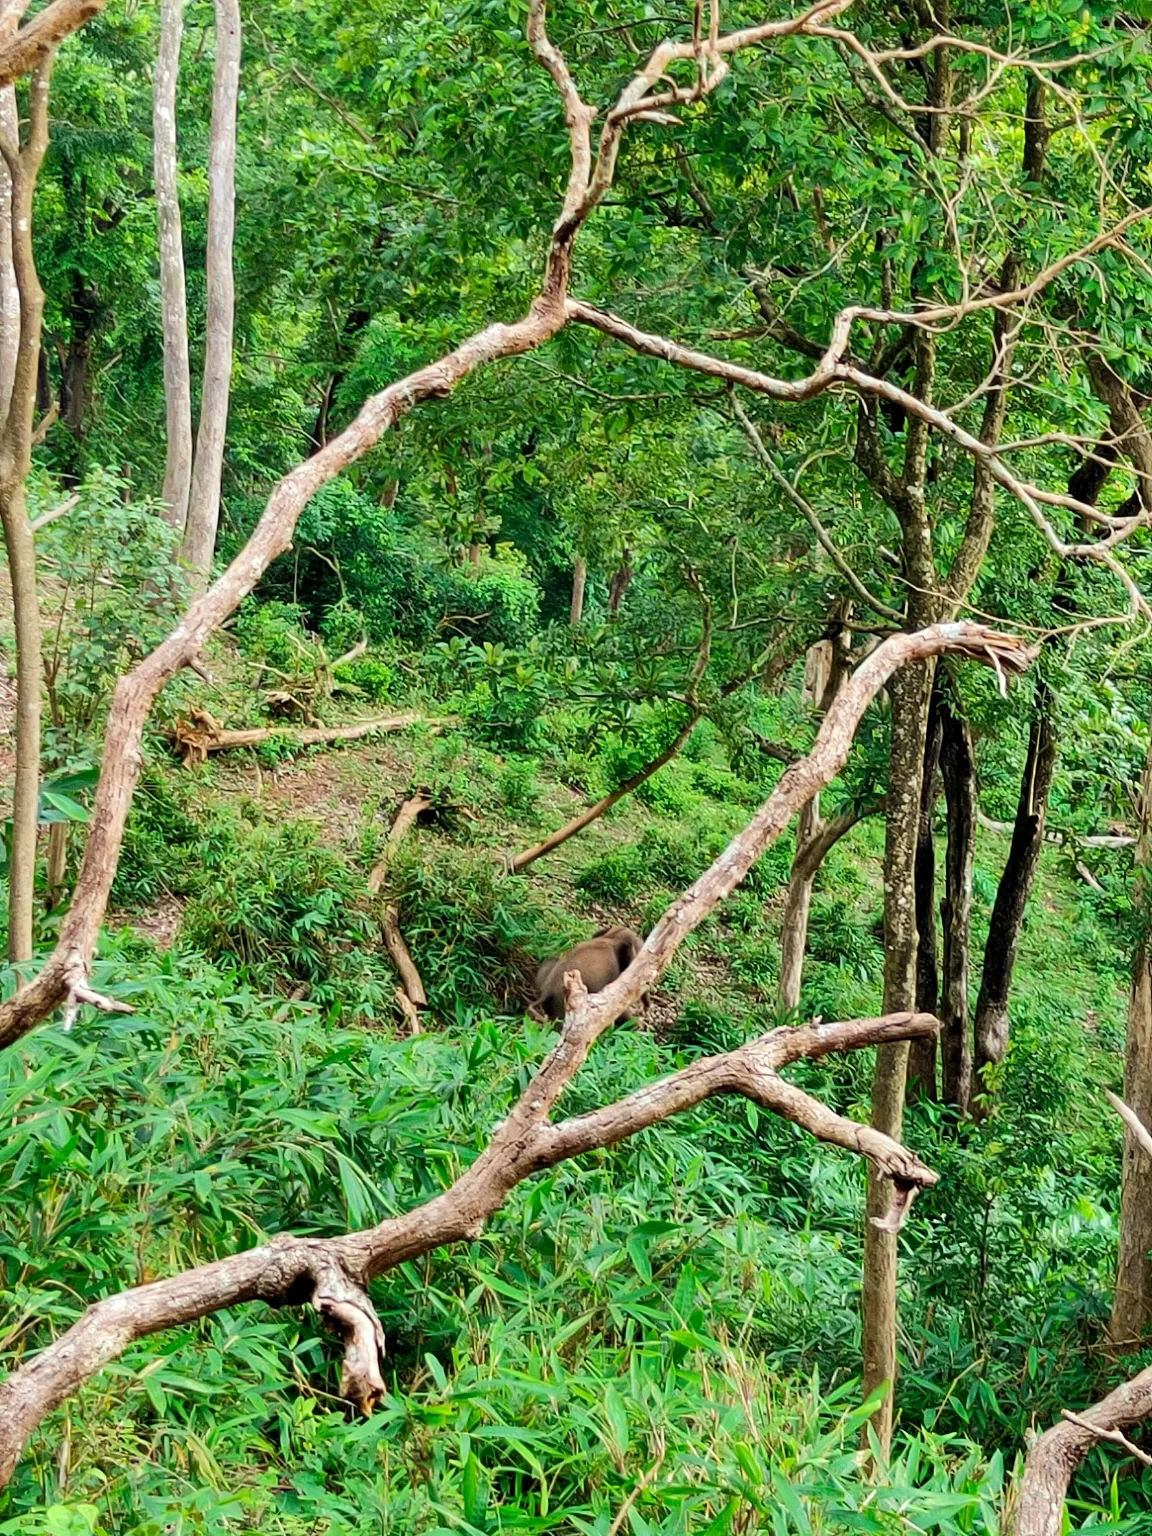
(616, 877)
(374, 678)
(837, 937)
(161, 839)
(518, 786)
(672, 790)
(475, 933)
(273, 633)
(117, 592)
(276, 901)
(654, 1290)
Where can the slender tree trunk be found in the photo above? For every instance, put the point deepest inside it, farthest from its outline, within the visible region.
(827, 665)
(173, 292)
(991, 1026)
(910, 693)
(15, 461)
(75, 381)
(579, 578)
(9, 290)
(957, 771)
(204, 497)
(794, 928)
(1132, 1299)
(805, 867)
(921, 1053)
(18, 543)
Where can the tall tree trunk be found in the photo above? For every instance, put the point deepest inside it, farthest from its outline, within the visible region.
(57, 862)
(910, 693)
(173, 292)
(204, 497)
(813, 850)
(23, 166)
(922, 1053)
(991, 1025)
(83, 312)
(1132, 1299)
(957, 770)
(353, 325)
(579, 579)
(9, 289)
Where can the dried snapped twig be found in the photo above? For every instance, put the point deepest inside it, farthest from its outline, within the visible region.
(410, 995)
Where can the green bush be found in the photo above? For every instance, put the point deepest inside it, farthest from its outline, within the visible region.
(274, 900)
(476, 934)
(518, 786)
(616, 877)
(374, 678)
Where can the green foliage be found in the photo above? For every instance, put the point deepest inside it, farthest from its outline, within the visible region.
(277, 902)
(114, 592)
(479, 933)
(670, 1322)
(536, 1376)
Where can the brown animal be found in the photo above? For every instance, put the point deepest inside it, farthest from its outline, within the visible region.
(599, 960)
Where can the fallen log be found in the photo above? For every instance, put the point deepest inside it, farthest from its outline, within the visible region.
(406, 817)
(401, 958)
(199, 734)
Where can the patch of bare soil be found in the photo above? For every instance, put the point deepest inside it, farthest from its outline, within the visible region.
(328, 788)
(159, 922)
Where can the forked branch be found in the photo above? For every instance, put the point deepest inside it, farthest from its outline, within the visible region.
(1060, 1450)
(31, 45)
(332, 1274)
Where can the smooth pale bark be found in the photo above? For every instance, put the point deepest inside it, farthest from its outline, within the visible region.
(57, 862)
(826, 666)
(15, 461)
(21, 553)
(204, 496)
(805, 868)
(173, 292)
(579, 580)
(1132, 1299)
(10, 14)
(1060, 1450)
(991, 1026)
(797, 906)
(957, 771)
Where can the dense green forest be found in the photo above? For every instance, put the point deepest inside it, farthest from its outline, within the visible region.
(576, 770)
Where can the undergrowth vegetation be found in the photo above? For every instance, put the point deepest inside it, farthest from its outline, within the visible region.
(671, 1322)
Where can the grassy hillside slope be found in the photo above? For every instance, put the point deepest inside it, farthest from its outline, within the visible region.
(672, 1322)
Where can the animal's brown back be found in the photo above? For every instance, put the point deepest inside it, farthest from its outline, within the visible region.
(599, 960)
